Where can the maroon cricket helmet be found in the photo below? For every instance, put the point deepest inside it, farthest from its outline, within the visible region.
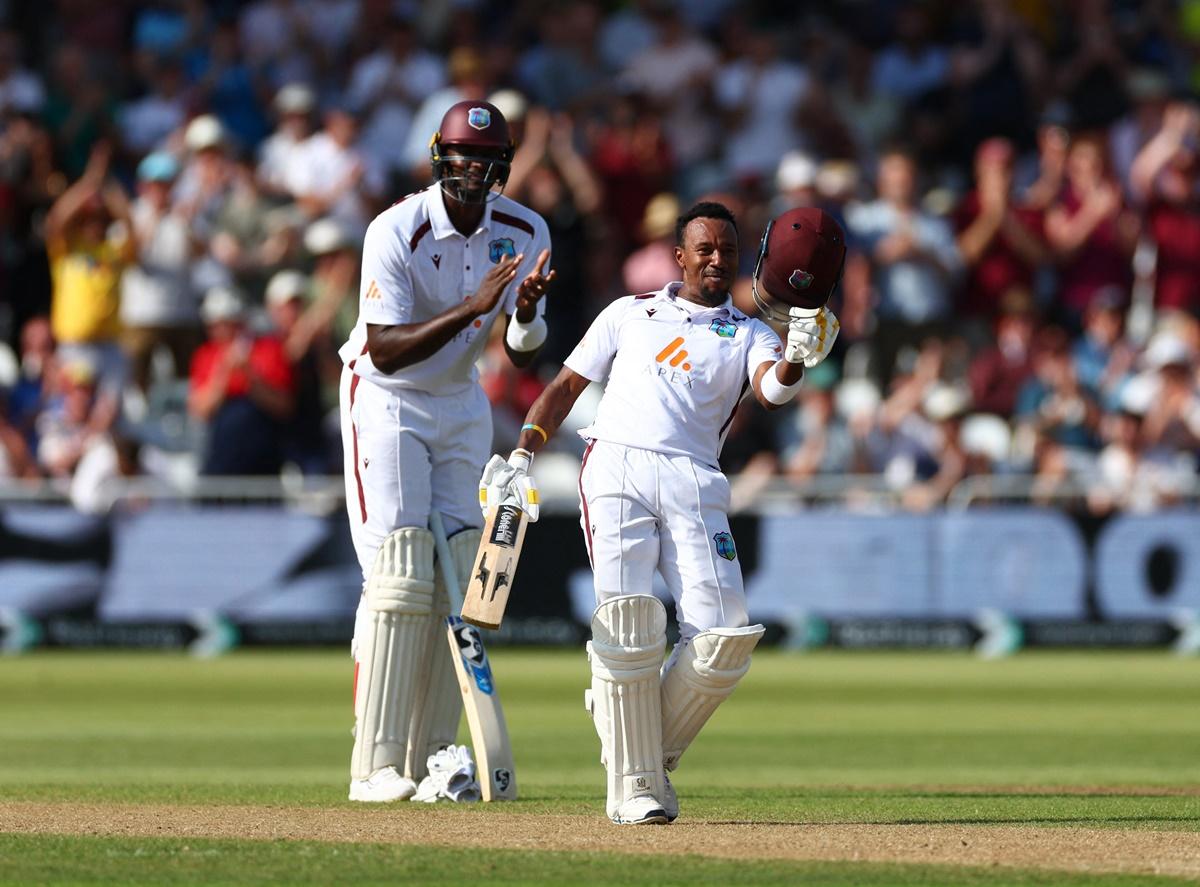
(800, 262)
(478, 132)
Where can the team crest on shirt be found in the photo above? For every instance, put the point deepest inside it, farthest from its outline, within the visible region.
(501, 247)
(724, 328)
(724, 544)
(479, 118)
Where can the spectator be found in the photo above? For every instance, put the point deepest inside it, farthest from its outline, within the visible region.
(760, 96)
(1000, 242)
(250, 235)
(675, 75)
(1091, 232)
(652, 266)
(146, 122)
(386, 88)
(87, 259)
(1171, 426)
(999, 371)
(1102, 356)
(207, 176)
(67, 426)
(79, 109)
(158, 306)
(329, 175)
(293, 107)
(227, 85)
(335, 276)
(241, 389)
(1164, 179)
(913, 65)
(562, 71)
(21, 90)
(914, 257)
(303, 327)
(34, 386)
(468, 80)
(1053, 406)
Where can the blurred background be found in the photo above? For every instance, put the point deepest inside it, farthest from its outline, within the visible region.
(1009, 424)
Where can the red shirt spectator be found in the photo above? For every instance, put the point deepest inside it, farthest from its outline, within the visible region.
(1175, 229)
(265, 359)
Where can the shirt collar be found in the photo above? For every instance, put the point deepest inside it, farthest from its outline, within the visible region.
(439, 219)
(725, 310)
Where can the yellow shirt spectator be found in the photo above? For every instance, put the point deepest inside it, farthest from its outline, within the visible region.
(86, 282)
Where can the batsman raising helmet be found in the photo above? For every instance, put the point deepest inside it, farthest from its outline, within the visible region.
(675, 364)
(438, 268)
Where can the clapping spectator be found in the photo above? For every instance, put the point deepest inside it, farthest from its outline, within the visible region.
(242, 390)
(330, 176)
(915, 260)
(293, 106)
(1000, 241)
(158, 306)
(1164, 179)
(88, 255)
(1091, 231)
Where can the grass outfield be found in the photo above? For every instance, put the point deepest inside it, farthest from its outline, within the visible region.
(1051, 741)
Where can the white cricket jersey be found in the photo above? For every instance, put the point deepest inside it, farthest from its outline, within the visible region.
(675, 371)
(416, 265)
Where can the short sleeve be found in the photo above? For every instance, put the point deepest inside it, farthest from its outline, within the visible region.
(765, 346)
(540, 241)
(385, 295)
(593, 356)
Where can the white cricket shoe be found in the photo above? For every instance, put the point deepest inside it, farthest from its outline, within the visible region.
(670, 799)
(385, 784)
(642, 810)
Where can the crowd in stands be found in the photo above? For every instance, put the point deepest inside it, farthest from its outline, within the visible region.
(184, 186)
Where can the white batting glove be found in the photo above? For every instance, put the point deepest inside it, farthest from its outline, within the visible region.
(509, 481)
(811, 334)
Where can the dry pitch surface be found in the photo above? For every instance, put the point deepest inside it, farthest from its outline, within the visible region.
(1063, 849)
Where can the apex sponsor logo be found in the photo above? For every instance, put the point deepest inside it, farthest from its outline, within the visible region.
(674, 355)
(373, 293)
(672, 364)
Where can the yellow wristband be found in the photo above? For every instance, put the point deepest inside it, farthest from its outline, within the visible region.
(539, 429)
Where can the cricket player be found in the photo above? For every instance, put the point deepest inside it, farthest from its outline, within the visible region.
(438, 268)
(675, 364)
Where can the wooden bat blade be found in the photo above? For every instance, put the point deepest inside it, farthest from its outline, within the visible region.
(485, 716)
(495, 567)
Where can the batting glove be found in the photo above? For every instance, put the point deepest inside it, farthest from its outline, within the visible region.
(811, 334)
(509, 481)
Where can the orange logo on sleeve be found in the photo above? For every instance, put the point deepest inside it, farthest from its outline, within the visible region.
(373, 292)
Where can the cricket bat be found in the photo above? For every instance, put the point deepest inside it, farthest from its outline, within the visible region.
(495, 566)
(481, 702)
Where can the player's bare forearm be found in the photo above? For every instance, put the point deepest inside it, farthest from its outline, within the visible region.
(551, 408)
(393, 347)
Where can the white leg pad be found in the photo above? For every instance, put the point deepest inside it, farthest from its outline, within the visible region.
(629, 636)
(703, 676)
(398, 601)
(439, 706)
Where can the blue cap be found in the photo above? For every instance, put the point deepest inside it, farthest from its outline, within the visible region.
(159, 166)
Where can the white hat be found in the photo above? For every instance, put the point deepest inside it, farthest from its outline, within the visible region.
(796, 170)
(285, 286)
(987, 435)
(945, 401)
(1166, 348)
(855, 397)
(295, 98)
(203, 132)
(221, 303)
(510, 103)
(325, 236)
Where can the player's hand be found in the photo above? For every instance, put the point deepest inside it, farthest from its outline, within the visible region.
(533, 287)
(509, 482)
(495, 282)
(811, 334)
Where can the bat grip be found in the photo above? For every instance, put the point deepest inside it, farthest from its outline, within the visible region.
(446, 562)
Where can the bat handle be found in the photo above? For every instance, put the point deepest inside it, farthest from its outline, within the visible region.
(446, 562)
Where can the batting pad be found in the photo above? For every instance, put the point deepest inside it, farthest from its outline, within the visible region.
(703, 676)
(439, 700)
(629, 635)
(395, 630)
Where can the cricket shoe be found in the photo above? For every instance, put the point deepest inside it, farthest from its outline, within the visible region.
(642, 810)
(385, 784)
(670, 799)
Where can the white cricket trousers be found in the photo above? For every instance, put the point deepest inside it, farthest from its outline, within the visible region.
(407, 453)
(643, 511)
